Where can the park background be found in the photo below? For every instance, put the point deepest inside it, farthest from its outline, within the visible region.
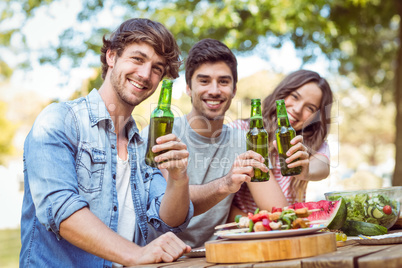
(50, 52)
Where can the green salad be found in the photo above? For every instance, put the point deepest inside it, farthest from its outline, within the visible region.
(372, 208)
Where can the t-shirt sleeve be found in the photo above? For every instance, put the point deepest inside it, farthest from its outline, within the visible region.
(324, 150)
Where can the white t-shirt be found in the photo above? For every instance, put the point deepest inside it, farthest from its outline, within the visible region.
(126, 222)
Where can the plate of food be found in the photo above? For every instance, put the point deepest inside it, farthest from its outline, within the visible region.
(295, 220)
(271, 234)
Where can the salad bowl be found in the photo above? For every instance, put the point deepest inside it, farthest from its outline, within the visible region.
(378, 206)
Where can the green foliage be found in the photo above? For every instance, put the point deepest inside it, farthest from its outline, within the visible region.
(5, 70)
(8, 129)
(360, 34)
(365, 41)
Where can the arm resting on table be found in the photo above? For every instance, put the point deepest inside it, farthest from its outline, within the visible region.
(84, 230)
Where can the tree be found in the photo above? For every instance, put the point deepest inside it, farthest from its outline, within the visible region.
(361, 37)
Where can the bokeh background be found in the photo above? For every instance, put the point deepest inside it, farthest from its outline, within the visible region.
(49, 52)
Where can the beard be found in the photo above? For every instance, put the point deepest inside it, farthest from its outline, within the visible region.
(125, 95)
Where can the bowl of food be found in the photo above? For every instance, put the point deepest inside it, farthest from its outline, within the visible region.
(378, 206)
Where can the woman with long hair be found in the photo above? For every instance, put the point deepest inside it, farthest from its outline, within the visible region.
(308, 99)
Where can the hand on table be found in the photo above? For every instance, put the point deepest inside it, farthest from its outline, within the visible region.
(166, 248)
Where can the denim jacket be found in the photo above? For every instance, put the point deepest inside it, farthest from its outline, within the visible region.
(70, 163)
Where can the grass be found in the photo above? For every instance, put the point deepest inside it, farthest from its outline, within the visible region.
(10, 245)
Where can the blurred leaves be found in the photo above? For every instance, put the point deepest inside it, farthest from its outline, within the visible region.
(5, 70)
(8, 130)
(360, 34)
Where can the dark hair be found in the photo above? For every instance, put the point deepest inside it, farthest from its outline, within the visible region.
(147, 31)
(210, 50)
(314, 133)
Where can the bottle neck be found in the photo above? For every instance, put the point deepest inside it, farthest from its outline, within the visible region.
(165, 98)
(256, 117)
(282, 116)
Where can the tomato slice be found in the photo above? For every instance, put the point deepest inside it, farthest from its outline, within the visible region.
(387, 209)
(258, 217)
(275, 209)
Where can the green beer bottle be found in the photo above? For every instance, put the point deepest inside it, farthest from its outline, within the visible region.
(284, 134)
(257, 139)
(161, 122)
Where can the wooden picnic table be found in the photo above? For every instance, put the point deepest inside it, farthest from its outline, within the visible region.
(352, 255)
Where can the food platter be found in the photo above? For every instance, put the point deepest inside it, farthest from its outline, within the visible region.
(271, 234)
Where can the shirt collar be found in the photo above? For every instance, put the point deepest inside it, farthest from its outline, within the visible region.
(98, 112)
(133, 131)
(96, 108)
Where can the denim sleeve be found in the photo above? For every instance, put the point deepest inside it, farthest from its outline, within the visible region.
(50, 151)
(157, 190)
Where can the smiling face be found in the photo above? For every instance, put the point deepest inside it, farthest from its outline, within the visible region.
(135, 75)
(211, 91)
(302, 103)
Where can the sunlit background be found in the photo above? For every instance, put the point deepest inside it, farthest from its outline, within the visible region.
(49, 53)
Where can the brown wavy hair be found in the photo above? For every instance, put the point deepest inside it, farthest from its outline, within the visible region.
(150, 32)
(315, 132)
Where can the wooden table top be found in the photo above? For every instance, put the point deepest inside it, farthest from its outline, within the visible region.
(353, 255)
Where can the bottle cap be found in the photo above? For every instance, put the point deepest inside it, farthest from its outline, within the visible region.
(255, 101)
(167, 82)
(280, 102)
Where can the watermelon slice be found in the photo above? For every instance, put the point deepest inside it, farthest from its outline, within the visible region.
(332, 214)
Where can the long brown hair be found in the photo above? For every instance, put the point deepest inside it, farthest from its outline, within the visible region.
(316, 131)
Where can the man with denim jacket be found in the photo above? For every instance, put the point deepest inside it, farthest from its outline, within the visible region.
(89, 197)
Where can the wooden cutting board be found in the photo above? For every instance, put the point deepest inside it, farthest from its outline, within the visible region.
(259, 250)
